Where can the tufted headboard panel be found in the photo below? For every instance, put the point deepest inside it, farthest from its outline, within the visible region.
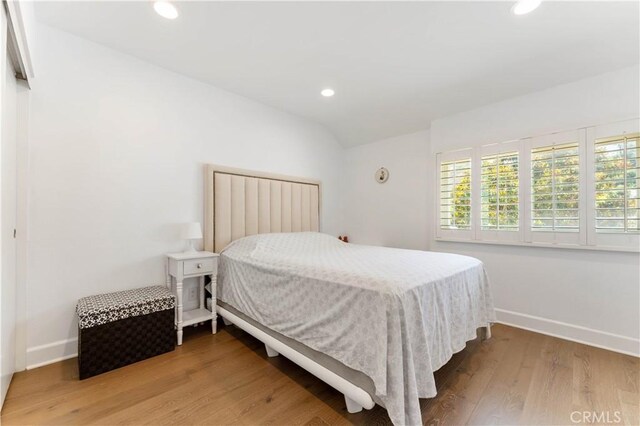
(239, 203)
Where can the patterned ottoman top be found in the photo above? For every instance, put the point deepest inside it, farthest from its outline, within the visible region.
(104, 308)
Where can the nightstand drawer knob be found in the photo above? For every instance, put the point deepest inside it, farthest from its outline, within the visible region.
(199, 265)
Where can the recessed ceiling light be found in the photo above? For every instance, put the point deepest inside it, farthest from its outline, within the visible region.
(327, 93)
(166, 9)
(523, 7)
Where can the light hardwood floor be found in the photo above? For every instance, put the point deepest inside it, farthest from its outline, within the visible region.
(517, 377)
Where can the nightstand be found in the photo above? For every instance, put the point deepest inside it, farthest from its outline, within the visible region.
(193, 265)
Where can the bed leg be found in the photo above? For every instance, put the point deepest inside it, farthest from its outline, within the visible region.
(487, 332)
(352, 406)
(270, 352)
(226, 321)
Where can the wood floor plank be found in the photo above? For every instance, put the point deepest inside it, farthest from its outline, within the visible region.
(517, 377)
(460, 392)
(504, 397)
(549, 399)
(630, 407)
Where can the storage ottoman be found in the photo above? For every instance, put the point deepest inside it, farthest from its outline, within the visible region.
(118, 329)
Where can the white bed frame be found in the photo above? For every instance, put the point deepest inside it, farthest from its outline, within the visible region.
(356, 398)
(243, 205)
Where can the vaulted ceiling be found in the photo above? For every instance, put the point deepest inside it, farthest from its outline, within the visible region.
(395, 66)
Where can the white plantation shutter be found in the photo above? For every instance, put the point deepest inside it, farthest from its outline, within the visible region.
(454, 199)
(556, 202)
(500, 201)
(555, 188)
(614, 182)
(575, 189)
(455, 194)
(617, 181)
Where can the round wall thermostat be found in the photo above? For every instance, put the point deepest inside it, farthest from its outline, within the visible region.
(382, 175)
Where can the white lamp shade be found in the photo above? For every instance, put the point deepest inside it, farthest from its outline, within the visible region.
(192, 231)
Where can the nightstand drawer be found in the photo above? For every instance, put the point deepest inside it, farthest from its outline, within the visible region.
(199, 266)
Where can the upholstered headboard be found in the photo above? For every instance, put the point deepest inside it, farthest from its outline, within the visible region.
(242, 202)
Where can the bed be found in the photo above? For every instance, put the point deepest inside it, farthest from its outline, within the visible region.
(372, 322)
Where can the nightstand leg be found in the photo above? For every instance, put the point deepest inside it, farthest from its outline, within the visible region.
(214, 314)
(202, 299)
(179, 294)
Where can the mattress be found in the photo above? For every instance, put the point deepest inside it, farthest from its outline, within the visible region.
(394, 315)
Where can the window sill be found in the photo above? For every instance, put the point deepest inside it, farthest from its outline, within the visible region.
(542, 245)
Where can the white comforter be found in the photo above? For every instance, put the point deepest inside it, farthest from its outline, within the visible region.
(395, 315)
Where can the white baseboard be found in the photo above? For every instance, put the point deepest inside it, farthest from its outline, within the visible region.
(38, 356)
(575, 333)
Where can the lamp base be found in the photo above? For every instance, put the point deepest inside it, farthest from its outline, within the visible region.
(190, 247)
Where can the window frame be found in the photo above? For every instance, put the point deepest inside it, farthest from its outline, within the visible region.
(498, 235)
(604, 240)
(585, 238)
(454, 234)
(558, 237)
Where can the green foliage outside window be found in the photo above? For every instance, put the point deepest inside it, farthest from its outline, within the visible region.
(455, 194)
(500, 188)
(617, 179)
(461, 202)
(555, 179)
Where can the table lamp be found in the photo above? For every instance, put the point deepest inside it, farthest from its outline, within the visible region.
(191, 231)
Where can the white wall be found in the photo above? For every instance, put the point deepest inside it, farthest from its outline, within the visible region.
(597, 100)
(582, 295)
(390, 214)
(117, 148)
(577, 294)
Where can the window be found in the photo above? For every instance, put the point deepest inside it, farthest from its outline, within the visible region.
(617, 180)
(455, 194)
(499, 192)
(576, 189)
(555, 188)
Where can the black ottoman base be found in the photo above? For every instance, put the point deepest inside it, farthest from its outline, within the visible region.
(113, 345)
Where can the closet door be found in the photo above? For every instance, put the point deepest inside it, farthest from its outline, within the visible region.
(8, 142)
